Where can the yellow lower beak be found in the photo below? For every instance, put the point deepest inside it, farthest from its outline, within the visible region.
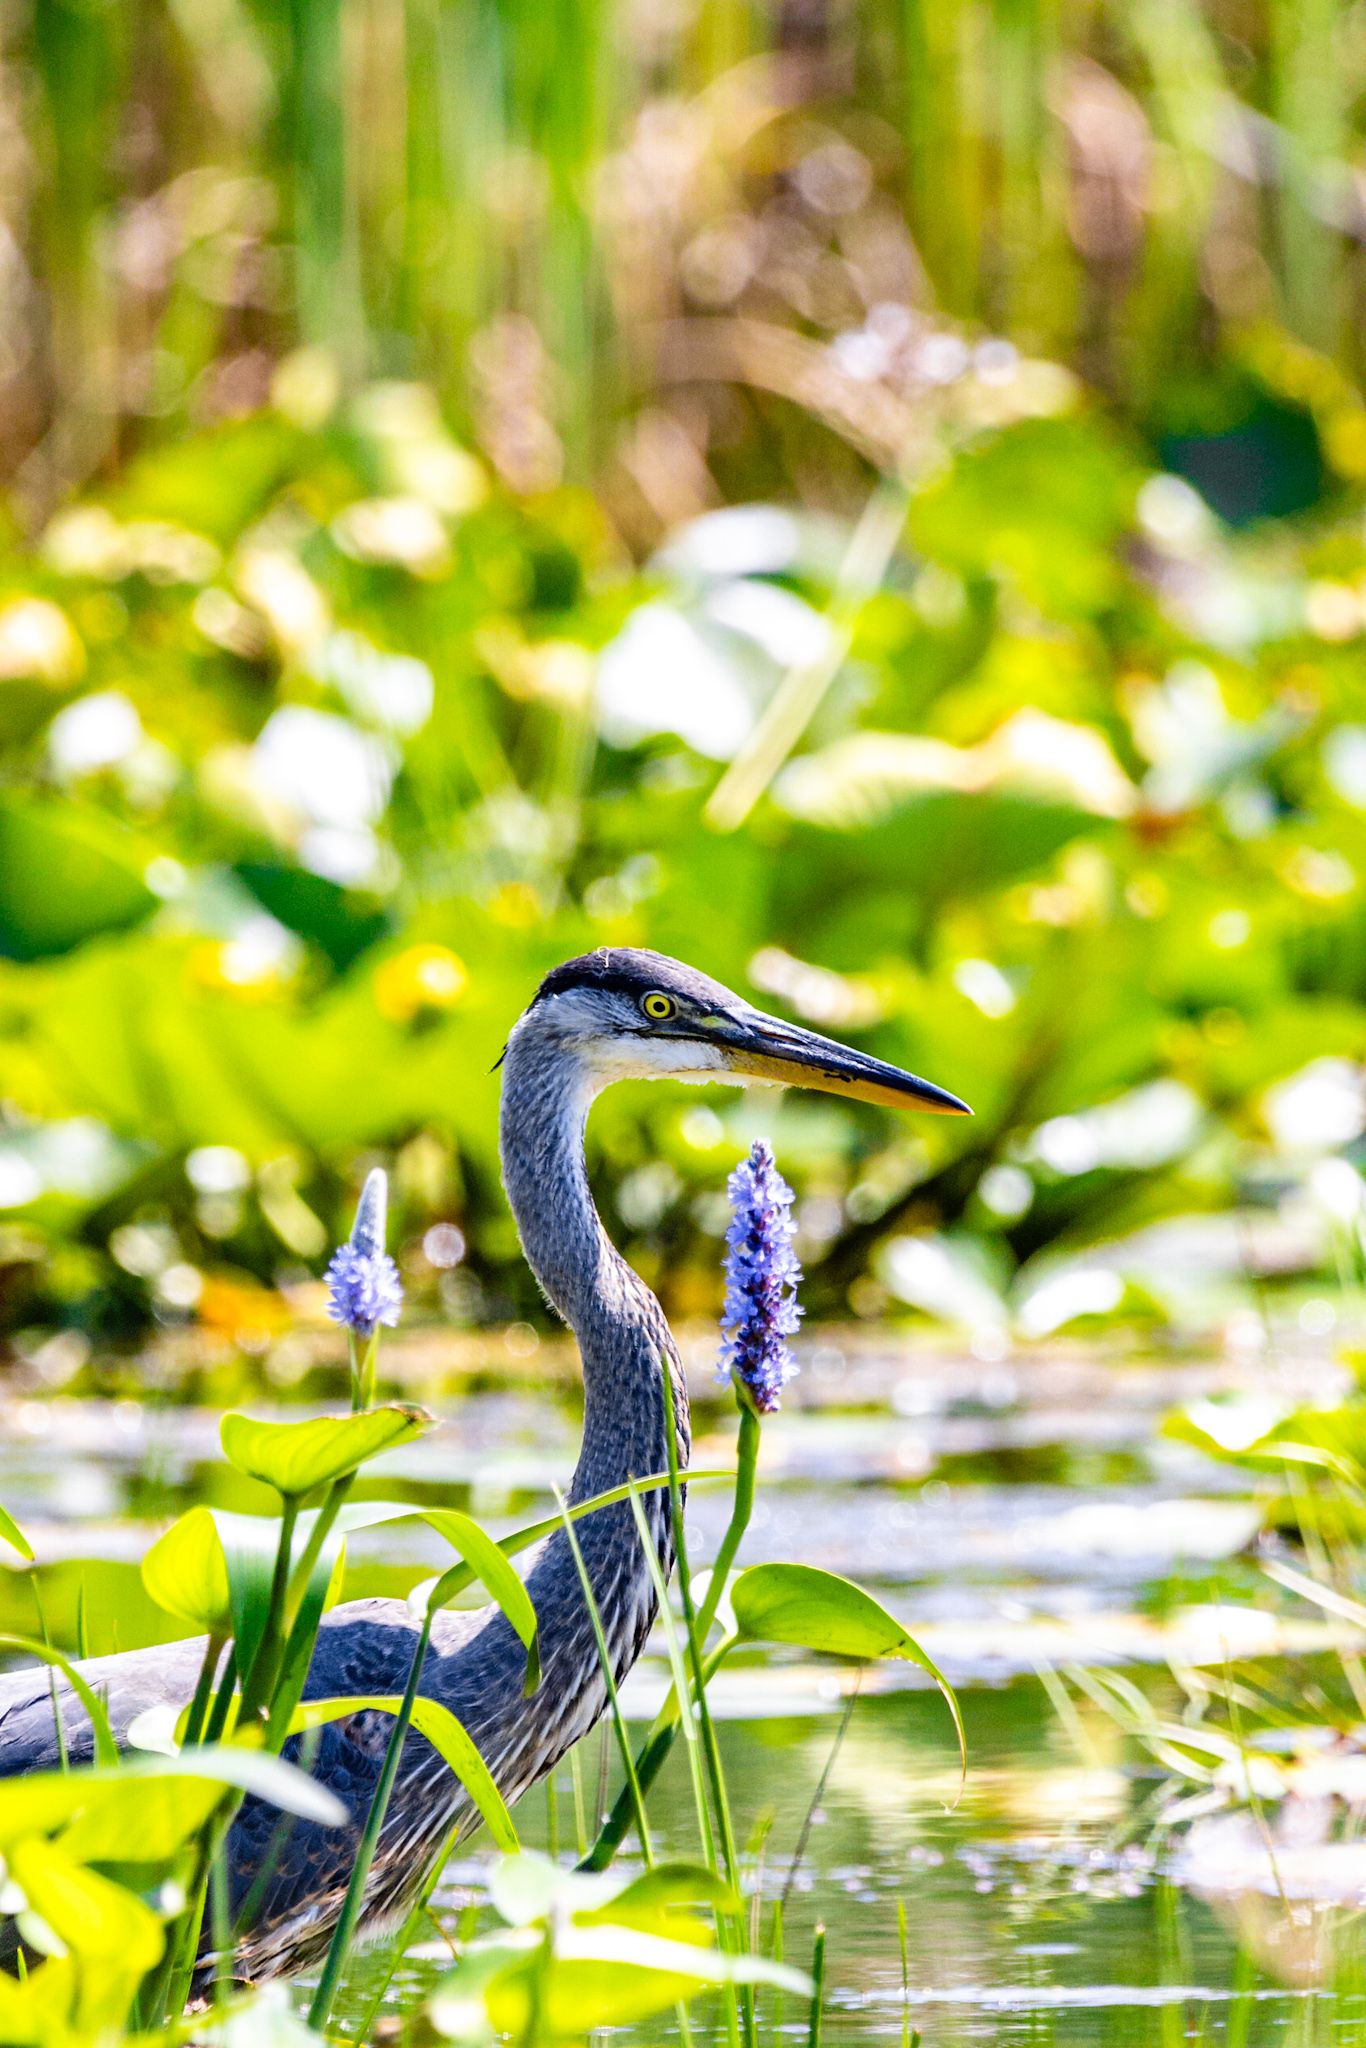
(766, 1049)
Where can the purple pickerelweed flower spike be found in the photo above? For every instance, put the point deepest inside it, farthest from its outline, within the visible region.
(364, 1289)
(762, 1272)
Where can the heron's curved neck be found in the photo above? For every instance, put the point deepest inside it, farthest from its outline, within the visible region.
(622, 1333)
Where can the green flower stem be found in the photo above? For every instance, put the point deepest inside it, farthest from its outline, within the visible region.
(259, 1682)
(279, 1836)
(710, 1749)
(302, 1572)
(363, 1370)
(227, 1686)
(199, 1705)
(661, 1737)
(398, 1948)
(746, 1477)
(658, 1744)
(344, 1932)
(163, 1995)
(813, 2038)
(706, 1831)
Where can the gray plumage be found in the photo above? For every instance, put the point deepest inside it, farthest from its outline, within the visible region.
(609, 1016)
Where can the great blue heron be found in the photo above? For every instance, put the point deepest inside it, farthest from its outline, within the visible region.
(610, 1016)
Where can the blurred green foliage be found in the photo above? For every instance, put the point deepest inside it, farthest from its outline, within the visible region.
(320, 747)
(487, 482)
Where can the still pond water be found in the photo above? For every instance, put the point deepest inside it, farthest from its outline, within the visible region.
(1018, 1516)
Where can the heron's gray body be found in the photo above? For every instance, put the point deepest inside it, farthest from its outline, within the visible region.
(609, 1016)
(476, 1665)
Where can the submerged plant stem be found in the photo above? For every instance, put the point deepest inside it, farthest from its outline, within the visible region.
(344, 1931)
(710, 1749)
(610, 1681)
(660, 1740)
(813, 2037)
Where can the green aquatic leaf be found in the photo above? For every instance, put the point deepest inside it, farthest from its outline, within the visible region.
(265, 2018)
(66, 874)
(530, 1887)
(28, 2004)
(299, 1457)
(93, 1917)
(44, 1801)
(15, 1536)
(817, 1610)
(447, 1736)
(144, 1821)
(186, 1572)
(594, 1976)
(490, 1566)
(660, 1898)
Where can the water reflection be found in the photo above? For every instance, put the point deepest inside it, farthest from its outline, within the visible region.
(1013, 1518)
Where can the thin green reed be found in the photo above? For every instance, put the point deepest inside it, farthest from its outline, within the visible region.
(345, 1931)
(695, 1637)
(1312, 89)
(315, 147)
(705, 1830)
(609, 1679)
(813, 2035)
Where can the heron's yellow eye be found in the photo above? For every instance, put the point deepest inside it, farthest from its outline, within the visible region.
(658, 1005)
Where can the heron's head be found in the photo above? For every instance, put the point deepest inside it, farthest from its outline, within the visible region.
(622, 1014)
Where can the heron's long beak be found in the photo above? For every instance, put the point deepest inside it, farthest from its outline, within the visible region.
(768, 1049)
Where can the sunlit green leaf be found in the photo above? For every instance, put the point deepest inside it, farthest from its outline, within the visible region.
(816, 1610)
(446, 1735)
(597, 1976)
(298, 1457)
(93, 1916)
(15, 1536)
(186, 1572)
(490, 1566)
(264, 2018)
(65, 874)
(46, 1800)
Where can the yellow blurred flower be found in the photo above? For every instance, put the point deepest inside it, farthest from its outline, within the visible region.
(238, 968)
(516, 904)
(251, 1316)
(420, 979)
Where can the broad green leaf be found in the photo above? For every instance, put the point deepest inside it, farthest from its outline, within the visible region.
(66, 873)
(298, 1457)
(446, 1735)
(142, 1821)
(15, 1536)
(47, 1800)
(527, 1888)
(250, 1544)
(489, 1564)
(664, 1888)
(106, 1749)
(29, 2006)
(1258, 1435)
(816, 1610)
(598, 1976)
(93, 1916)
(186, 1572)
